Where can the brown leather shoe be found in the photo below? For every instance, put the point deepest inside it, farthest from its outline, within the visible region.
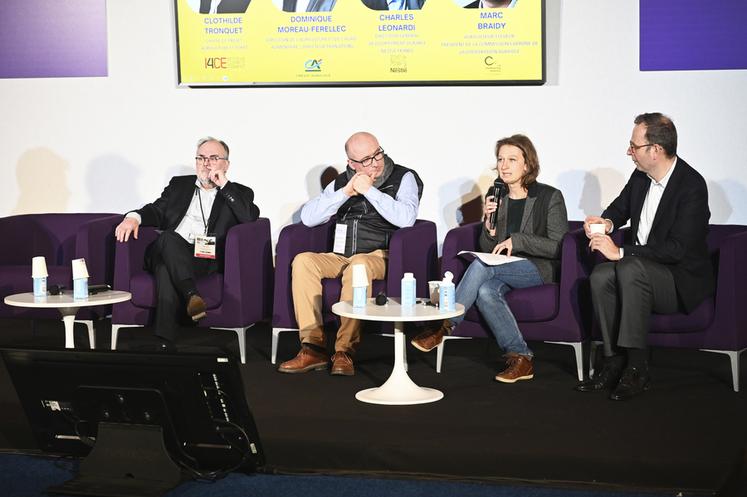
(519, 367)
(342, 364)
(307, 359)
(196, 307)
(432, 336)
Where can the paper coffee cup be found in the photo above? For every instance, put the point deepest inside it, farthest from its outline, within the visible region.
(360, 278)
(39, 267)
(79, 269)
(433, 291)
(595, 228)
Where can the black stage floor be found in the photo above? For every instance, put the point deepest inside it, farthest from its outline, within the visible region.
(687, 434)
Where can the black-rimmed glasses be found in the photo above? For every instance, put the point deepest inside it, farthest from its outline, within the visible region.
(213, 159)
(367, 161)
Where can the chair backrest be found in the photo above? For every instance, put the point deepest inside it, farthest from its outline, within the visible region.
(50, 235)
(411, 249)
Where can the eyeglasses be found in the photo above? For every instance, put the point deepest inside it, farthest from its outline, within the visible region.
(367, 161)
(633, 147)
(213, 159)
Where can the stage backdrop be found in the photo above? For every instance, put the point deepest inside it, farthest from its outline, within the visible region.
(693, 34)
(443, 42)
(52, 38)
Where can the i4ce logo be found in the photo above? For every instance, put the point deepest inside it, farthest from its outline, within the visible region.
(313, 65)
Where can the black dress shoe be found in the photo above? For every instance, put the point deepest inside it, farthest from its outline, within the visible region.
(606, 379)
(634, 381)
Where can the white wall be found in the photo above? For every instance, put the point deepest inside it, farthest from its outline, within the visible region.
(110, 144)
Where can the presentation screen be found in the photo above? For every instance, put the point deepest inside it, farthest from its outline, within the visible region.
(683, 35)
(359, 42)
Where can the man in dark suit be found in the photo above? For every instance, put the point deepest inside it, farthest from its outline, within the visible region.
(663, 266)
(195, 212)
(223, 6)
(394, 4)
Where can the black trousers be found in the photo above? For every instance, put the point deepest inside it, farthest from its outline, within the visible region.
(171, 260)
(625, 294)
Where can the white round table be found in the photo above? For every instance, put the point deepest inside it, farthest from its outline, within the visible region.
(399, 389)
(68, 306)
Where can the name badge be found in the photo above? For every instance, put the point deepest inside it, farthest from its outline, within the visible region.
(205, 246)
(341, 234)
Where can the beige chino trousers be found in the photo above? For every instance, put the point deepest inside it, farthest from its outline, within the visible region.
(309, 268)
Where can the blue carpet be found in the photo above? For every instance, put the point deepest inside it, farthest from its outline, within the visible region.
(29, 476)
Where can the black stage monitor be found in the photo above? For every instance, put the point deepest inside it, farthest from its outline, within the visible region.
(144, 421)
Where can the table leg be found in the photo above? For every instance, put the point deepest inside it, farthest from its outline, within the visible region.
(399, 389)
(68, 318)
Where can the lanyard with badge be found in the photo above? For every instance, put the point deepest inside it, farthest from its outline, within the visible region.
(204, 243)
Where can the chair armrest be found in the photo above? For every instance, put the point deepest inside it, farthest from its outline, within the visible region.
(458, 239)
(293, 240)
(247, 275)
(129, 257)
(414, 250)
(574, 293)
(730, 326)
(94, 242)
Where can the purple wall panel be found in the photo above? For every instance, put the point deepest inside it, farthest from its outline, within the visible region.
(52, 38)
(693, 34)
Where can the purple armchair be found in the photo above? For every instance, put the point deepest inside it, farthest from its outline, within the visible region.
(236, 299)
(60, 238)
(718, 324)
(411, 249)
(553, 313)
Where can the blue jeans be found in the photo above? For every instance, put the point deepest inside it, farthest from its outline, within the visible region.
(487, 286)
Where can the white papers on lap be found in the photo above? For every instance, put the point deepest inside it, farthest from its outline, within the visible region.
(490, 259)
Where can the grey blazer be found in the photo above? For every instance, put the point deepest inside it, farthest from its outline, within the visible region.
(543, 225)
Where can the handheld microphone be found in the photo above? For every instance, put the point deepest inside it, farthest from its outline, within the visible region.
(499, 187)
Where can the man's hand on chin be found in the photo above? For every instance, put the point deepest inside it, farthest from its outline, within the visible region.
(362, 183)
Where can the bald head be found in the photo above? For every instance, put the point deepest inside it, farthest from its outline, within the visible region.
(361, 144)
(365, 155)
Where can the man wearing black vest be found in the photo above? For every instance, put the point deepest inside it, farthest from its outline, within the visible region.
(370, 200)
(663, 266)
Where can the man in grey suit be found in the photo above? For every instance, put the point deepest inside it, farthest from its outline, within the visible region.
(394, 4)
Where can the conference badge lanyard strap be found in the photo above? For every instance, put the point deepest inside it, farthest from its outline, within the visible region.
(205, 243)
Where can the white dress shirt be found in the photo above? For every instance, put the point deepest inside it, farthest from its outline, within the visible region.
(651, 204)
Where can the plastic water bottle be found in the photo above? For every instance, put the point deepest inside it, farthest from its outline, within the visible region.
(39, 274)
(80, 279)
(80, 288)
(408, 290)
(447, 293)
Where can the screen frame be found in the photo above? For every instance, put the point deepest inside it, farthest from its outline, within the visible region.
(364, 84)
(29, 369)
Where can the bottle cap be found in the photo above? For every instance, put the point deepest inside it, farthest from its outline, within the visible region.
(408, 276)
(448, 278)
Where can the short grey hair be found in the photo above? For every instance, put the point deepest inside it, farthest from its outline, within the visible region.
(206, 139)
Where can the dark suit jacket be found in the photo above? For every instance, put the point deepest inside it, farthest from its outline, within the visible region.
(233, 204)
(226, 6)
(678, 233)
(543, 225)
(383, 5)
